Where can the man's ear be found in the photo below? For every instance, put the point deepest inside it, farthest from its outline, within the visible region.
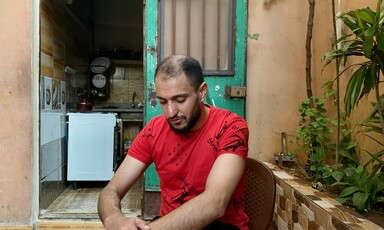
(203, 91)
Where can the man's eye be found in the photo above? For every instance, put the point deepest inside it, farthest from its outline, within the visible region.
(180, 100)
(162, 102)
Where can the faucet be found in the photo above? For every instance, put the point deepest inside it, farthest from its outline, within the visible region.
(133, 99)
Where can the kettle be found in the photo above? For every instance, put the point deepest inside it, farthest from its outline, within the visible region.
(85, 104)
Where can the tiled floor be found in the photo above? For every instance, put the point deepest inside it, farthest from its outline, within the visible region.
(81, 204)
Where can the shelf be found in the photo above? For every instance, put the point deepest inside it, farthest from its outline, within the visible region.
(125, 62)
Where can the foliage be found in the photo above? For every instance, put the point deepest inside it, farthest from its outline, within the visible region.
(314, 133)
(363, 186)
(346, 146)
(365, 40)
(372, 122)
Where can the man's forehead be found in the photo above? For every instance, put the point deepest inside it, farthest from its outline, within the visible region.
(163, 76)
(180, 80)
(173, 89)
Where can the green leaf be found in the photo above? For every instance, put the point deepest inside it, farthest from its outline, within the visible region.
(338, 176)
(353, 89)
(379, 186)
(377, 157)
(350, 171)
(366, 15)
(369, 80)
(380, 40)
(349, 191)
(313, 167)
(351, 144)
(340, 184)
(379, 10)
(349, 23)
(360, 169)
(359, 201)
(342, 200)
(368, 41)
(372, 128)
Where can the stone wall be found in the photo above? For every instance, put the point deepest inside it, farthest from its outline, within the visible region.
(300, 206)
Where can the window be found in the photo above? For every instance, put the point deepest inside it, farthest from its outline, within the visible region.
(202, 29)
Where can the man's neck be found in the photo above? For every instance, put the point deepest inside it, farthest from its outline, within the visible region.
(203, 117)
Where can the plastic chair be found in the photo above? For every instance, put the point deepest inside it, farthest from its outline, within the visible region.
(259, 197)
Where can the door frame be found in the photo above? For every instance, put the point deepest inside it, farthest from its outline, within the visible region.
(35, 112)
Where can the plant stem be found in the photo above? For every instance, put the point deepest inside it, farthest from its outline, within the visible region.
(308, 77)
(337, 87)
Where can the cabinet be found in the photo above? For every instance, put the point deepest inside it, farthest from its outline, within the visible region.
(91, 146)
(130, 125)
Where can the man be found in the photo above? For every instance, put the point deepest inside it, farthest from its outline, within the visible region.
(199, 152)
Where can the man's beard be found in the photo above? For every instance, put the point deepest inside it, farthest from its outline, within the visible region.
(191, 122)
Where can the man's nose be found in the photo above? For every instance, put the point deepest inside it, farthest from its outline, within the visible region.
(171, 109)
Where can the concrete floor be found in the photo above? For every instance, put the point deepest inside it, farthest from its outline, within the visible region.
(82, 203)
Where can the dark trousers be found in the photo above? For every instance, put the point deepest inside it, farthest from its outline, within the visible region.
(214, 226)
(220, 226)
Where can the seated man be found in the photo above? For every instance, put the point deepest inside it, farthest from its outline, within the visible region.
(199, 153)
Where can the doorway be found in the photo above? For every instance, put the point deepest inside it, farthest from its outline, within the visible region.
(73, 33)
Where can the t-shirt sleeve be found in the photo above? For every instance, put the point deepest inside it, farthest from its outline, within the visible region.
(141, 148)
(234, 137)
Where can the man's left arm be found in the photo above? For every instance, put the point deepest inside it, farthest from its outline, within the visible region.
(210, 205)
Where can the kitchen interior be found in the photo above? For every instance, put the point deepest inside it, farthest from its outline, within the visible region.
(92, 100)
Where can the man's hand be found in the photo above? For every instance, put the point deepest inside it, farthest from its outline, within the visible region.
(123, 223)
(110, 197)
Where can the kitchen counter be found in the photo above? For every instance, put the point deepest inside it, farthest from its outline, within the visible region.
(118, 108)
(124, 111)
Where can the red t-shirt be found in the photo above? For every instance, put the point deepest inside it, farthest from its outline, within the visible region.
(183, 162)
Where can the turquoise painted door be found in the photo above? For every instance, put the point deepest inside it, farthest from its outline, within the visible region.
(219, 85)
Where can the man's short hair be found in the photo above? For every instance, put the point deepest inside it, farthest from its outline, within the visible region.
(175, 65)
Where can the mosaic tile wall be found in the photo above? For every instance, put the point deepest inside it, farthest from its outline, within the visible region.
(301, 207)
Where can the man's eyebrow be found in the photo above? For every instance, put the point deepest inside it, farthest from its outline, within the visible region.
(174, 97)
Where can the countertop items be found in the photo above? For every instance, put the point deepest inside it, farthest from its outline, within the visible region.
(119, 108)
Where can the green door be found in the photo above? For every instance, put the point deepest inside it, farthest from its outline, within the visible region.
(226, 83)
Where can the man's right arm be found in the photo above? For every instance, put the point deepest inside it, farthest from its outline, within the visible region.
(110, 197)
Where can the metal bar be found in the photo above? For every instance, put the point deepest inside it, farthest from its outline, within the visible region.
(203, 35)
(173, 26)
(189, 27)
(218, 35)
(231, 36)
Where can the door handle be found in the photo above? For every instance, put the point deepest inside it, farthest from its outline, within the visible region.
(236, 91)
